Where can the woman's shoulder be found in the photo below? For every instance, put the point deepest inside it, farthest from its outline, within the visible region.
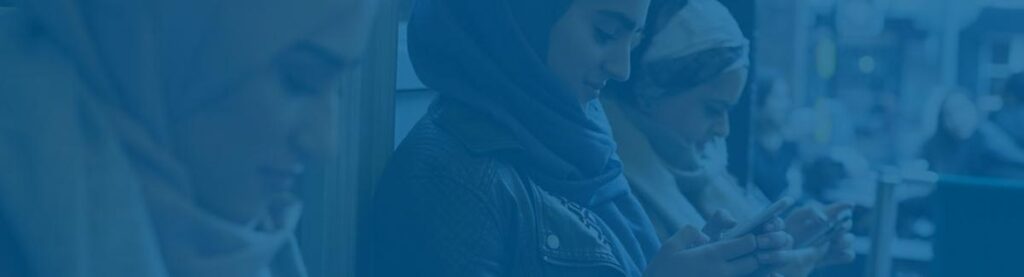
(458, 200)
(438, 156)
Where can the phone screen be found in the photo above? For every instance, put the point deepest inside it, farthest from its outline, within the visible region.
(761, 218)
(826, 234)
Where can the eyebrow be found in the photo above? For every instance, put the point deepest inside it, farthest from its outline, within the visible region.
(720, 103)
(627, 22)
(333, 58)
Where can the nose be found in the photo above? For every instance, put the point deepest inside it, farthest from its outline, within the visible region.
(315, 138)
(618, 63)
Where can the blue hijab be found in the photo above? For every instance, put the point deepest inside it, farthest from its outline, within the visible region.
(489, 55)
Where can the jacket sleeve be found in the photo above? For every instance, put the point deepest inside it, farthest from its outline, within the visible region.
(442, 219)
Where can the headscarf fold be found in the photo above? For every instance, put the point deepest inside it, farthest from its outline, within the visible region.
(698, 26)
(490, 55)
(690, 46)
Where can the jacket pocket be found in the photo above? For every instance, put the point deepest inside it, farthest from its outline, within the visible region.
(570, 240)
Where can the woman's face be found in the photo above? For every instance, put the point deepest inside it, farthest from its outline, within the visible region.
(591, 44)
(701, 114)
(245, 151)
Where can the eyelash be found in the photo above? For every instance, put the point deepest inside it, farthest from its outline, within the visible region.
(294, 82)
(602, 37)
(714, 112)
(307, 80)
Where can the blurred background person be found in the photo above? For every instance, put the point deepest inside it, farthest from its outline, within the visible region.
(1011, 117)
(966, 143)
(775, 153)
(956, 147)
(1007, 131)
(156, 138)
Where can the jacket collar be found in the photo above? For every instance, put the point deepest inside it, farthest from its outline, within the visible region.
(476, 130)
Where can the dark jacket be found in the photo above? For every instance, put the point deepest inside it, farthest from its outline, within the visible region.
(450, 204)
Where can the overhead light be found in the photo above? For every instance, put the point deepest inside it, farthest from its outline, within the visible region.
(867, 64)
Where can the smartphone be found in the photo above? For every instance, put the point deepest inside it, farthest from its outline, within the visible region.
(761, 218)
(826, 234)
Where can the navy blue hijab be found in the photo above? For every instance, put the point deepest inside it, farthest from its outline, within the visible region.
(490, 55)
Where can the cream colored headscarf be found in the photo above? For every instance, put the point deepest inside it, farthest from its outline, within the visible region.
(678, 184)
(686, 40)
(690, 46)
(698, 26)
(87, 90)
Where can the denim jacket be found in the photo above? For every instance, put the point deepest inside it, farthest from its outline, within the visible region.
(449, 204)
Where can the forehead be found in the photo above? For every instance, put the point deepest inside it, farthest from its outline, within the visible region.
(346, 37)
(727, 88)
(634, 11)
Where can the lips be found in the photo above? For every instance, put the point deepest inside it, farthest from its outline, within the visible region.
(282, 179)
(597, 86)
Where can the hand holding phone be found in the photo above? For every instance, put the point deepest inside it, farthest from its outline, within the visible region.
(834, 226)
(773, 211)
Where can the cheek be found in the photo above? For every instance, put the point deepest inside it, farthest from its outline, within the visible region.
(682, 119)
(225, 146)
(572, 52)
(242, 128)
(582, 51)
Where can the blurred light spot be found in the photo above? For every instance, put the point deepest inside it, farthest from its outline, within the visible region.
(867, 64)
(826, 58)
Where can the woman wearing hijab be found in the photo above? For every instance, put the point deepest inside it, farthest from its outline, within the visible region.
(162, 138)
(513, 170)
(671, 118)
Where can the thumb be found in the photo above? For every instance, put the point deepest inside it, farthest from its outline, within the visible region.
(841, 211)
(718, 223)
(686, 238)
(838, 210)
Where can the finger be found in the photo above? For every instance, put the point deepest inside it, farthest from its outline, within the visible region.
(743, 266)
(842, 250)
(773, 258)
(774, 241)
(846, 256)
(731, 249)
(719, 222)
(809, 218)
(837, 210)
(773, 225)
(846, 226)
(686, 238)
(805, 222)
(841, 257)
(843, 241)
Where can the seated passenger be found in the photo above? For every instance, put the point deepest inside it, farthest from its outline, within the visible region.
(670, 122)
(162, 138)
(513, 171)
(776, 154)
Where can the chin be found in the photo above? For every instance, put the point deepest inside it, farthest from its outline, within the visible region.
(587, 95)
(702, 145)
